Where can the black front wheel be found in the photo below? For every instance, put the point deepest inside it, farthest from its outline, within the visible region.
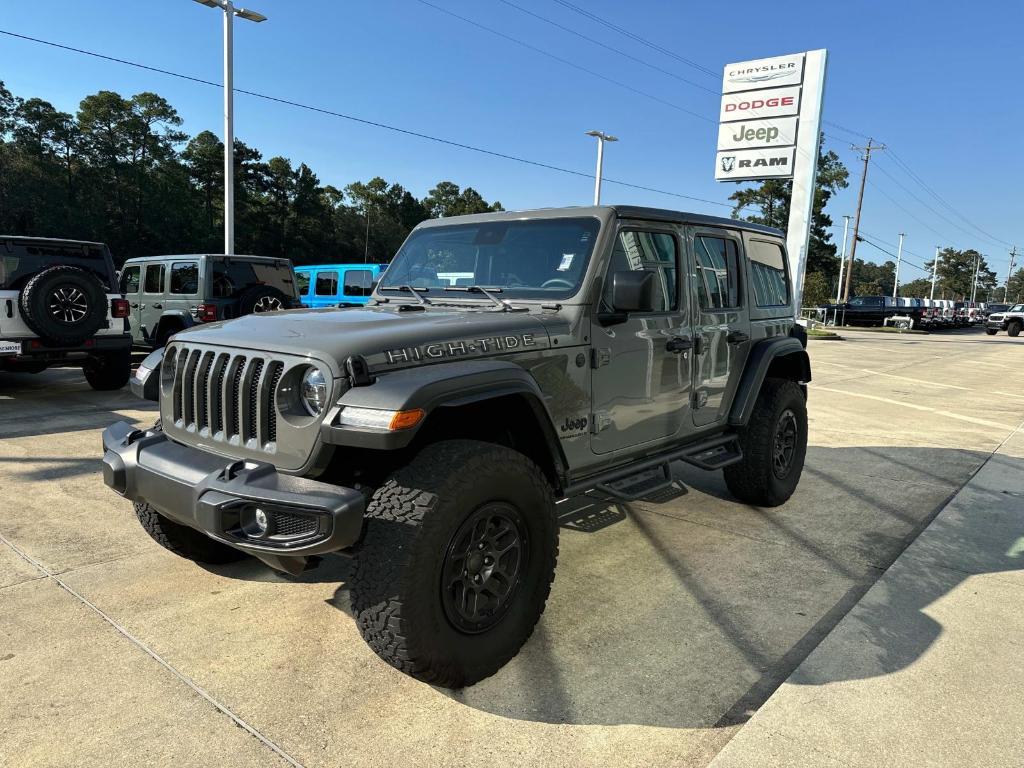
(1013, 329)
(774, 445)
(991, 331)
(457, 561)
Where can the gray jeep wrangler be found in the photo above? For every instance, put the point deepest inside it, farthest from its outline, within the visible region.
(433, 431)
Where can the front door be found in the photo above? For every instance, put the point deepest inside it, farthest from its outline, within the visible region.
(151, 306)
(131, 287)
(641, 365)
(722, 324)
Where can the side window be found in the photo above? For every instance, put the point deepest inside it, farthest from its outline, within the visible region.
(130, 279)
(154, 278)
(651, 251)
(302, 281)
(327, 283)
(358, 282)
(185, 277)
(717, 266)
(768, 273)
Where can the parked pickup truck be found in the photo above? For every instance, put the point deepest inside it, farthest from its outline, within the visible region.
(1011, 321)
(870, 310)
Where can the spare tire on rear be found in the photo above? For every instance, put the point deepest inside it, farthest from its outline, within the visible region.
(261, 298)
(64, 305)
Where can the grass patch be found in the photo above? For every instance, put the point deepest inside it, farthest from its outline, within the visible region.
(818, 333)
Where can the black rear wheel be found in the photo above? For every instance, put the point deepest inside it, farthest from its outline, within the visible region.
(991, 331)
(774, 445)
(457, 561)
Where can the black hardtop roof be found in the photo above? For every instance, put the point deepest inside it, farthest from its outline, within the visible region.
(681, 217)
(42, 240)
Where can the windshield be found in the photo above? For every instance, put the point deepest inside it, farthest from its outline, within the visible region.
(541, 259)
(1017, 308)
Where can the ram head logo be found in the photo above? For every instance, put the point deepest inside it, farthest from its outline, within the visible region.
(728, 163)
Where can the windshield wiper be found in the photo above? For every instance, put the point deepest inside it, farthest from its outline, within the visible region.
(416, 292)
(489, 293)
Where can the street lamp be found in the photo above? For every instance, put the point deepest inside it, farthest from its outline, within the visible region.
(601, 139)
(230, 11)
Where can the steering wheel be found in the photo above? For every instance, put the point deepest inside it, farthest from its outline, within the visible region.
(556, 282)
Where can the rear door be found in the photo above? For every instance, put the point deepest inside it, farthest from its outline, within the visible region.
(357, 285)
(151, 305)
(184, 289)
(721, 324)
(325, 288)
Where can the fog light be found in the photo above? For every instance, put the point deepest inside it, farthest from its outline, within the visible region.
(260, 518)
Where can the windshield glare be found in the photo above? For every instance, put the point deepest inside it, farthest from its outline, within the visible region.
(541, 259)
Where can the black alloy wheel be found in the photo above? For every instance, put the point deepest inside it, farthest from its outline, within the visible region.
(483, 567)
(784, 444)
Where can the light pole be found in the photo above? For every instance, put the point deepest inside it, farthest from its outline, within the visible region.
(230, 11)
(899, 257)
(935, 270)
(842, 258)
(601, 139)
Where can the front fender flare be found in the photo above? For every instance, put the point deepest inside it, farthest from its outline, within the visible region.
(760, 359)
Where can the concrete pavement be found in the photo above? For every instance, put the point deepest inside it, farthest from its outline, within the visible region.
(671, 620)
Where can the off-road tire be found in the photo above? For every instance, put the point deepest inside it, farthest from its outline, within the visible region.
(412, 522)
(41, 291)
(754, 480)
(1013, 329)
(184, 541)
(109, 371)
(257, 298)
(991, 331)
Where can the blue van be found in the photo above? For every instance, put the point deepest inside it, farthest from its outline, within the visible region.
(333, 285)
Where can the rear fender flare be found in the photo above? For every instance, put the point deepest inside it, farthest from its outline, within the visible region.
(759, 361)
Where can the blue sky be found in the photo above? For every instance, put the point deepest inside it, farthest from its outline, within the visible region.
(936, 81)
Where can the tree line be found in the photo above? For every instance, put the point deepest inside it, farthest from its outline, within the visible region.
(768, 204)
(122, 171)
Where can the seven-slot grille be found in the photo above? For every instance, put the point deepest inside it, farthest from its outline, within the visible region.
(227, 397)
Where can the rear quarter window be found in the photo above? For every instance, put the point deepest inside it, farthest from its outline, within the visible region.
(768, 273)
(230, 279)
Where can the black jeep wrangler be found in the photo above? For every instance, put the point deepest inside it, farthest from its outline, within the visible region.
(59, 306)
(432, 431)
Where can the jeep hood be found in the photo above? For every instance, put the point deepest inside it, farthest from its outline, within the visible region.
(388, 337)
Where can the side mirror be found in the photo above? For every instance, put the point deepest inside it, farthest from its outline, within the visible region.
(633, 291)
(145, 382)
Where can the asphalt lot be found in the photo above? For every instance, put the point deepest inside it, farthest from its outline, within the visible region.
(670, 621)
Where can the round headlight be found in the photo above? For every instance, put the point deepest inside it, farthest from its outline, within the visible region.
(313, 392)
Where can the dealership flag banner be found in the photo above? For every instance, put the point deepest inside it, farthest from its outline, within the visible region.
(768, 128)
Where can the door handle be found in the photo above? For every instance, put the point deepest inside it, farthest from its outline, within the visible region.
(158, 306)
(135, 305)
(678, 344)
(737, 337)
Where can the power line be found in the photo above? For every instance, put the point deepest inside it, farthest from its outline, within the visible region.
(567, 62)
(607, 47)
(643, 41)
(363, 121)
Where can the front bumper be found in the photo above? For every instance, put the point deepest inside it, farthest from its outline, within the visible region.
(995, 325)
(218, 496)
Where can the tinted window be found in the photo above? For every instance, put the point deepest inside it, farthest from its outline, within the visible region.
(768, 273)
(185, 277)
(358, 282)
(542, 259)
(154, 278)
(232, 277)
(302, 281)
(326, 283)
(651, 251)
(130, 279)
(20, 260)
(717, 265)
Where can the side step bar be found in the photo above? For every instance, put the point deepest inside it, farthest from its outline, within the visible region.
(638, 479)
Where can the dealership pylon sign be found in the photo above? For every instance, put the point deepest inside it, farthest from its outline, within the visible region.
(769, 123)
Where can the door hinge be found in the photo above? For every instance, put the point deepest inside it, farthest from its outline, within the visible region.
(599, 421)
(699, 398)
(599, 357)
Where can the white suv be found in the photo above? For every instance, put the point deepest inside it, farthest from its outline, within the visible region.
(59, 307)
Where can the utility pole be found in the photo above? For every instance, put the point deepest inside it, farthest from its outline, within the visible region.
(899, 257)
(1009, 274)
(230, 11)
(860, 202)
(842, 258)
(935, 270)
